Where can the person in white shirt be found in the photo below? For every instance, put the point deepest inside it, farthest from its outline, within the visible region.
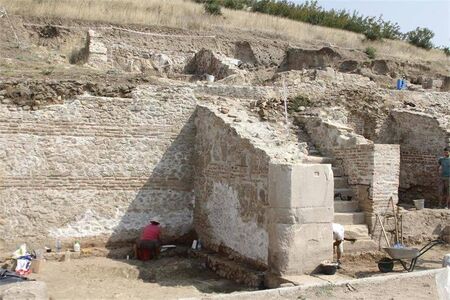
(338, 237)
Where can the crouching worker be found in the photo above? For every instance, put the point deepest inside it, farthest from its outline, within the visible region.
(149, 243)
(338, 245)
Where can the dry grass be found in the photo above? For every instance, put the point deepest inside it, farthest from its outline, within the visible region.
(188, 15)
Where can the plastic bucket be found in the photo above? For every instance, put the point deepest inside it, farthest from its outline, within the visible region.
(209, 78)
(419, 203)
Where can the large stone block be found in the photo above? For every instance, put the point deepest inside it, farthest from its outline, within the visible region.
(300, 248)
(301, 215)
(300, 186)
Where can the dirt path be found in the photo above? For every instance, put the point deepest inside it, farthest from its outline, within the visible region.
(104, 278)
(403, 288)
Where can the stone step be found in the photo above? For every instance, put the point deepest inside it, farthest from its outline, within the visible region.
(341, 206)
(343, 194)
(357, 232)
(349, 218)
(311, 159)
(340, 182)
(337, 171)
(361, 245)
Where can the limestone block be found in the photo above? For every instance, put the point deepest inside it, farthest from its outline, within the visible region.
(300, 248)
(301, 215)
(300, 186)
(97, 51)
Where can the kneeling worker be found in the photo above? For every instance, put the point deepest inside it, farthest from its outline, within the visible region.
(338, 237)
(149, 240)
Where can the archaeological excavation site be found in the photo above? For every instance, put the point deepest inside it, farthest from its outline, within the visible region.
(245, 145)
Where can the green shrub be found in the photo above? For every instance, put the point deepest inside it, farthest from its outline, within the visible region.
(373, 30)
(311, 12)
(233, 4)
(446, 50)
(212, 7)
(420, 37)
(295, 103)
(370, 51)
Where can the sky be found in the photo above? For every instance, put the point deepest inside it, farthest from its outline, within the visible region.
(409, 14)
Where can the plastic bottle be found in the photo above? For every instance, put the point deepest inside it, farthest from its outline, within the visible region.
(77, 246)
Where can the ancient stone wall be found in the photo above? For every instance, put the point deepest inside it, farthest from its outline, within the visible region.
(373, 172)
(231, 189)
(97, 169)
(256, 200)
(422, 139)
(328, 135)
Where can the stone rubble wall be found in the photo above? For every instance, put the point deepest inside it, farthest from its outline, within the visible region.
(231, 189)
(97, 169)
(329, 135)
(422, 138)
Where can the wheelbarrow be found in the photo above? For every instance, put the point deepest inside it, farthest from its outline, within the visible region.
(386, 264)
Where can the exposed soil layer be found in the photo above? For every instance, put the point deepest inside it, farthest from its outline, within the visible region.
(104, 278)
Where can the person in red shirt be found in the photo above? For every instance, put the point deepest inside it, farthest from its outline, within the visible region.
(149, 240)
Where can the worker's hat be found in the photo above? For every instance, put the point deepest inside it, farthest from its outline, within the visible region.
(155, 221)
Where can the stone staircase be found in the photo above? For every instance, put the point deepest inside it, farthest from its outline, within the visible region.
(346, 208)
(347, 213)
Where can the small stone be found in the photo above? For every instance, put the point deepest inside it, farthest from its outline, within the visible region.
(237, 120)
(6, 101)
(224, 110)
(26, 107)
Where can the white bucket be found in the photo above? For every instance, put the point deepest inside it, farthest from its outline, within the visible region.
(194, 245)
(419, 203)
(209, 78)
(446, 261)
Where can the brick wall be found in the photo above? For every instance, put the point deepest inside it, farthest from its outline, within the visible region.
(422, 138)
(97, 169)
(373, 172)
